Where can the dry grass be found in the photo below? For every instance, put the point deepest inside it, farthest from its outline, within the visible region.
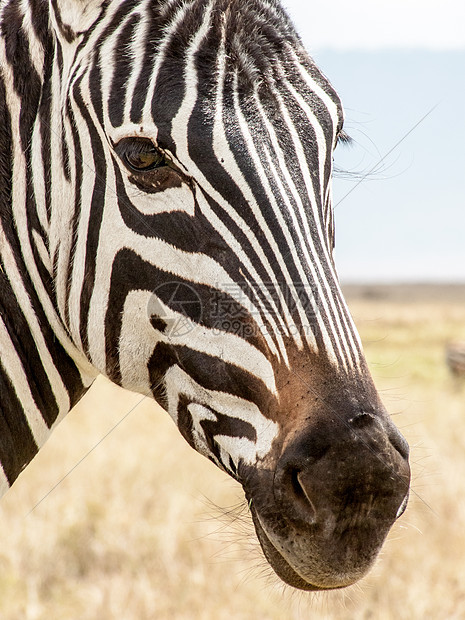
(129, 535)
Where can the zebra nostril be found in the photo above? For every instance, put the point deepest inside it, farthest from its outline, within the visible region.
(303, 495)
(291, 490)
(399, 443)
(363, 420)
(297, 487)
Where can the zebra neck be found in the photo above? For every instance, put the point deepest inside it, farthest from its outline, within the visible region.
(39, 382)
(42, 374)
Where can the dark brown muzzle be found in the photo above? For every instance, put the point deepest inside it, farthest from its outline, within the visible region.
(337, 488)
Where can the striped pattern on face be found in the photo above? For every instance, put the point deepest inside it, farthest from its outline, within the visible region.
(194, 279)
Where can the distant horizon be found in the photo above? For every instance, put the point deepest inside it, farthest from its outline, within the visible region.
(405, 292)
(404, 283)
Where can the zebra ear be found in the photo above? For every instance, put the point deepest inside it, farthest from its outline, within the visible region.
(73, 17)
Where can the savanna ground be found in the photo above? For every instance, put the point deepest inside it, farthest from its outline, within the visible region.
(131, 533)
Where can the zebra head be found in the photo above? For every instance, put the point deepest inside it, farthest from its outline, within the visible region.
(191, 239)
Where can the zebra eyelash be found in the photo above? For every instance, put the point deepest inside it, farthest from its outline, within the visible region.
(343, 138)
(140, 155)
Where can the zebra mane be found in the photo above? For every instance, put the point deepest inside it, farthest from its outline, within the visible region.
(257, 36)
(256, 33)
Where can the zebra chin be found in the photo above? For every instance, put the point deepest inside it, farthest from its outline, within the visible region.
(324, 505)
(304, 577)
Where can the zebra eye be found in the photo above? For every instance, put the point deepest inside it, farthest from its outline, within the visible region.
(140, 154)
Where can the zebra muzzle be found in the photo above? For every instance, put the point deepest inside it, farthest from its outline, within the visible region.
(322, 515)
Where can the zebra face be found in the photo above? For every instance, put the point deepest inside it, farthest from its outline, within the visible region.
(208, 280)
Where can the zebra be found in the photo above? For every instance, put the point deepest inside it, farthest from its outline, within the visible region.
(166, 220)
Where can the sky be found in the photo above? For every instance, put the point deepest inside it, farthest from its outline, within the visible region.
(375, 24)
(399, 67)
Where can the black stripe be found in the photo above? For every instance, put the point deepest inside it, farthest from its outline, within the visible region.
(66, 30)
(228, 426)
(26, 81)
(318, 108)
(78, 164)
(96, 210)
(95, 86)
(215, 374)
(17, 445)
(6, 154)
(122, 64)
(41, 23)
(45, 131)
(26, 348)
(64, 145)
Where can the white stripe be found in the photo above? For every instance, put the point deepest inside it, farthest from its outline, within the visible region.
(60, 237)
(38, 176)
(42, 251)
(137, 51)
(4, 486)
(36, 51)
(106, 62)
(170, 29)
(180, 121)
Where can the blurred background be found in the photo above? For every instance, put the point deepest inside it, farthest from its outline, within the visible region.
(399, 68)
(117, 518)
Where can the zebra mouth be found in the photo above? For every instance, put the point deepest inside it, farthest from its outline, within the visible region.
(281, 566)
